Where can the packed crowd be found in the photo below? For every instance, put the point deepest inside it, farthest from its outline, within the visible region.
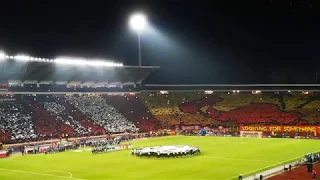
(14, 119)
(176, 108)
(50, 116)
(60, 113)
(44, 117)
(131, 107)
(233, 108)
(98, 109)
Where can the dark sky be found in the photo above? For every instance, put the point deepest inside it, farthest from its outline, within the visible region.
(194, 41)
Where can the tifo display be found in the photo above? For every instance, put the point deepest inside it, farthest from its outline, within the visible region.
(51, 116)
(168, 151)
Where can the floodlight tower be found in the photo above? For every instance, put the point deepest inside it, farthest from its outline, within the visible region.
(138, 23)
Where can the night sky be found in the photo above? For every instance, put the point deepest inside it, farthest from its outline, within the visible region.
(214, 41)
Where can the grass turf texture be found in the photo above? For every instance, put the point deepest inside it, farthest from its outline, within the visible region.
(220, 158)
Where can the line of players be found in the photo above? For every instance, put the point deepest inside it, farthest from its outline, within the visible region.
(103, 149)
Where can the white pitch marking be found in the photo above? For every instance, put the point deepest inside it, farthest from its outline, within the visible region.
(257, 170)
(70, 174)
(40, 174)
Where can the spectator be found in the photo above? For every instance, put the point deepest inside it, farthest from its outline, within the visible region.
(102, 113)
(59, 111)
(15, 120)
(314, 173)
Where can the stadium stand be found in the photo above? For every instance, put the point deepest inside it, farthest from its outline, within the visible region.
(36, 107)
(38, 117)
(97, 108)
(176, 108)
(259, 113)
(15, 121)
(131, 107)
(233, 100)
(46, 125)
(40, 85)
(68, 116)
(294, 101)
(87, 123)
(236, 108)
(62, 111)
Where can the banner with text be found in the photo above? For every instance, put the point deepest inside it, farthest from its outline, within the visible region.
(291, 129)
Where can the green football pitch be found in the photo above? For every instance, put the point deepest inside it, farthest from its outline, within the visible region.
(220, 158)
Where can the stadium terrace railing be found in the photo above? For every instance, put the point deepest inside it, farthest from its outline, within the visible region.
(231, 87)
(273, 169)
(70, 93)
(70, 139)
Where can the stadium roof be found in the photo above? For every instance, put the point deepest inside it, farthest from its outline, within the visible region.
(45, 73)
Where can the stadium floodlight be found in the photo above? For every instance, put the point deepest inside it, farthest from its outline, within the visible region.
(22, 58)
(100, 63)
(2, 56)
(69, 61)
(138, 23)
(63, 60)
(88, 62)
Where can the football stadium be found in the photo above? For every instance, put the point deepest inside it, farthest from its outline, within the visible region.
(57, 123)
(79, 118)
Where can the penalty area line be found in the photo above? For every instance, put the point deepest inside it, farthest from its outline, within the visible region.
(70, 174)
(41, 174)
(264, 168)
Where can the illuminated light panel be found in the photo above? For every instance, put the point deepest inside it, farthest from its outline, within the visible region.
(88, 62)
(2, 56)
(63, 60)
(22, 58)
